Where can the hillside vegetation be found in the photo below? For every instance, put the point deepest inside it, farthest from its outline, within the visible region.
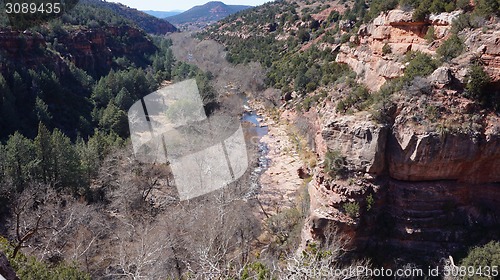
(365, 82)
(209, 12)
(298, 40)
(76, 204)
(65, 88)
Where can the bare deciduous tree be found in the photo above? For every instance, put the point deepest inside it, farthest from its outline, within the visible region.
(321, 261)
(30, 215)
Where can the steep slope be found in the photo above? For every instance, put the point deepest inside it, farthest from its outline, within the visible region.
(407, 137)
(47, 73)
(204, 14)
(105, 11)
(148, 23)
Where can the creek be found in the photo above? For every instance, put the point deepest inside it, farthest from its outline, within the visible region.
(258, 131)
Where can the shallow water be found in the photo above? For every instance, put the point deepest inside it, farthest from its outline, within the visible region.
(263, 161)
(253, 118)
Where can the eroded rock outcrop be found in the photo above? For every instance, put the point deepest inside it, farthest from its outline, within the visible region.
(24, 47)
(427, 184)
(362, 142)
(90, 49)
(94, 49)
(421, 194)
(430, 156)
(484, 45)
(422, 222)
(397, 30)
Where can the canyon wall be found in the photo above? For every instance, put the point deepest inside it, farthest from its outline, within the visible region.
(424, 191)
(434, 195)
(401, 34)
(90, 49)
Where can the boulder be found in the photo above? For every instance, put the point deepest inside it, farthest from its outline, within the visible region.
(444, 19)
(393, 17)
(441, 77)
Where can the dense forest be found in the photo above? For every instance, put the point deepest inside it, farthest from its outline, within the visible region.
(60, 118)
(91, 13)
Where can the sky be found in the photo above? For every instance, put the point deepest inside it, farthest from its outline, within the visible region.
(183, 5)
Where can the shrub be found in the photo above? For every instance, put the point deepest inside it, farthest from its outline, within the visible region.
(303, 36)
(311, 86)
(284, 225)
(369, 202)
(345, 38)
(335, 163)
(351, 209)
(378, 6)
(450, 7)
(432, 112)
(256, 270)
(487, 7)
(421, 64)
(386, 49)
(460, 23)
(382, 101)
(420, 13)
(30, 268)
(485, 256)
(451, 48)
(477, 82)
(463, 4)
(357, 98)
(406, 4)
(430, 35)
(306, 104)
(333, 17)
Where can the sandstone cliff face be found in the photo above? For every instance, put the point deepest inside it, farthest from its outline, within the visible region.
(436, 190)
(434, 194)
(361, 141)
(485, 45)
(92, 50)
(25, 47)
(396, 29)
(422, 222)
(13, 41)
(414, 156)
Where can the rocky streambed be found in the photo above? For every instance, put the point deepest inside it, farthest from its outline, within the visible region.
(275, 179)
(257, 131)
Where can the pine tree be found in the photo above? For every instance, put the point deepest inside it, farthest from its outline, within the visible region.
(65, 161)
(124, 100)
(44, 153)
(169, 61)
(114, 120)
(88, 156)
(21, 162)
(42, 111)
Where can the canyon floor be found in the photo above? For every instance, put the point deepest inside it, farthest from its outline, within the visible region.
(280, 182)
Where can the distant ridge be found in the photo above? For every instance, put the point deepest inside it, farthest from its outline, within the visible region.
(209, 12)
(148, 23)
(162, 14)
